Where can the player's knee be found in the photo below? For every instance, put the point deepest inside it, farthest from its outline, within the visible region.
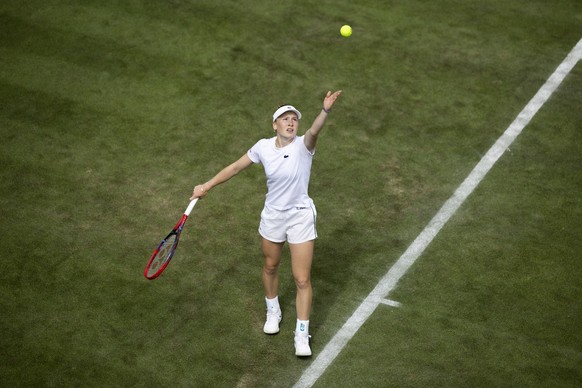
(270, 269)
(302, 282)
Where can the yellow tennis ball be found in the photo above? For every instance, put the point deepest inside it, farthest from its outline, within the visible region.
(346, 31)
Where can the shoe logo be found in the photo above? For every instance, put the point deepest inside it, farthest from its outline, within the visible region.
(285, 156)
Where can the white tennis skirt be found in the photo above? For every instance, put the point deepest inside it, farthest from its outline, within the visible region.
(295, 225)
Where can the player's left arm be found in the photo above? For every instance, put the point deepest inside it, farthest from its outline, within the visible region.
(312, 133)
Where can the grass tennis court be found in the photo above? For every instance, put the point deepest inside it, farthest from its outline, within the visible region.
(111, 111)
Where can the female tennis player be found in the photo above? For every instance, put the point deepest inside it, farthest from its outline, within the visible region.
(289, 213)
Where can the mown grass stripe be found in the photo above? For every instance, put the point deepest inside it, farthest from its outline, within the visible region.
(399, 269)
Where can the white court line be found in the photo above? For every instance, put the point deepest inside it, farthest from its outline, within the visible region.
(389, 281)
(390, 302)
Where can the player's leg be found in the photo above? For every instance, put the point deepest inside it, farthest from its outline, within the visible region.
(272, 258)
(301, 260)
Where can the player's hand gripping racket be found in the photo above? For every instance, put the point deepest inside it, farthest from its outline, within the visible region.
(165, 251)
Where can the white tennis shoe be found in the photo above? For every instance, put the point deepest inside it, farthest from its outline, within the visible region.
(272, 322)
(302, 348)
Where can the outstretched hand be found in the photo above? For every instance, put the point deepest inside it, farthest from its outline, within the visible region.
(198, 192)
(330, 98)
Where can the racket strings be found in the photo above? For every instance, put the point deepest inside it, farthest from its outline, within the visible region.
(163, 255)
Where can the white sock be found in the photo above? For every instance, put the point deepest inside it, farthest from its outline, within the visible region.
(302, 327)
(273, 304)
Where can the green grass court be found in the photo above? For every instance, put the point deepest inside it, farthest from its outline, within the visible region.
(111, 111)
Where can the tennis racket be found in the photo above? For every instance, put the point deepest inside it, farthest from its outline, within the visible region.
(161, 257)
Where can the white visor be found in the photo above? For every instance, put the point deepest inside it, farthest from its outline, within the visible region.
(285, 109)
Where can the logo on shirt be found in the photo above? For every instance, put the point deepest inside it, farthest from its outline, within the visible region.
(285, 156)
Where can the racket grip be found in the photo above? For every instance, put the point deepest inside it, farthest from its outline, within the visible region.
(191, 206)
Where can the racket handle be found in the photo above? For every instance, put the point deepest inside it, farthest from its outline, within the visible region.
(191, 206)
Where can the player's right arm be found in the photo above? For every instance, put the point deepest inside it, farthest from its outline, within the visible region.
(224, 175)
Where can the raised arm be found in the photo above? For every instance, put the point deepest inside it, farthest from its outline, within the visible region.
(224, 175)
(313, 132)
